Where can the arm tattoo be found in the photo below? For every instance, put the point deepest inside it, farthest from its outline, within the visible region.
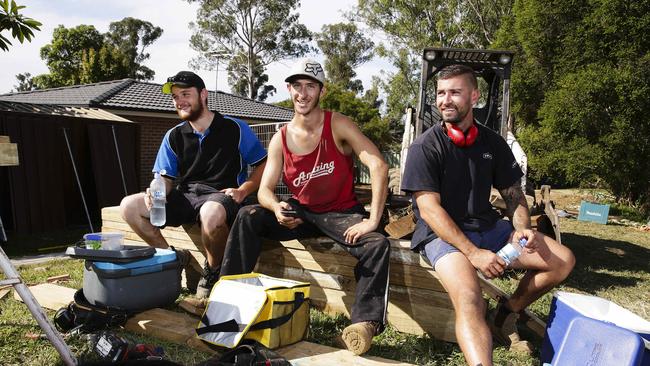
(516, 205)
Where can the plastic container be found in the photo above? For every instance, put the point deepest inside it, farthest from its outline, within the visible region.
(594, 342)
(139, 285)
(105, 241)
(567, 306)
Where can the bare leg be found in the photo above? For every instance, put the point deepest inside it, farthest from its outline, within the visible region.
(135, 213)
(461, 281)
(214, 231)
(547, 267)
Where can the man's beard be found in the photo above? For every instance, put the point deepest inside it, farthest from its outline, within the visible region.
(457, 118)
(193, 115)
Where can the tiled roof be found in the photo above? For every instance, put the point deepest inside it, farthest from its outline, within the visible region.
(59, 110)
(129, 94)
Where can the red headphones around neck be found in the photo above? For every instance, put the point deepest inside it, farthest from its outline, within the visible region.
(460, 138)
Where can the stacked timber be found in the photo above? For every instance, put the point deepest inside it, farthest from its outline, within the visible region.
(418, 303)
(8, 152)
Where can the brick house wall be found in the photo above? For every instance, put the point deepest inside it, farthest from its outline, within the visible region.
(151, 132)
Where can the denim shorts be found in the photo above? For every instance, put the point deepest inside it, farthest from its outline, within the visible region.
(492, 239)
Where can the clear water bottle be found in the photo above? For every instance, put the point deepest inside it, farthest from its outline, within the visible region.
(157, 215)
(512, 251)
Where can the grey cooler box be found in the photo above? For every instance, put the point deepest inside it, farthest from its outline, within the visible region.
(138, 285)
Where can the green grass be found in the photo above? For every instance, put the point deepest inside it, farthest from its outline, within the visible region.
(612, 262)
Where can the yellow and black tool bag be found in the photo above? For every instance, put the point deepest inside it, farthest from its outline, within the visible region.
(272, 311)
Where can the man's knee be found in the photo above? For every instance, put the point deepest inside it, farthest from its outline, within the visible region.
(564, 264)
(213, 216)
(377, 242)
(132, 205)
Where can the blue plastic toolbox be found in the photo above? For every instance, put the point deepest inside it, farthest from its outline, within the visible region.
(138, 285)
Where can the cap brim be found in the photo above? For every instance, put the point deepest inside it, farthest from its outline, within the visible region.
(301, 76)
(167, 87)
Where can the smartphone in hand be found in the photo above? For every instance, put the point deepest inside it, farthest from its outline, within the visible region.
(289, 212)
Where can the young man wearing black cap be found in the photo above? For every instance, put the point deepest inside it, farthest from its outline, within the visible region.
(313, 156)
(205, 160)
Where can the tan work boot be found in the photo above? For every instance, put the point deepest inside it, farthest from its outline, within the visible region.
(357, 338)
(507, 333)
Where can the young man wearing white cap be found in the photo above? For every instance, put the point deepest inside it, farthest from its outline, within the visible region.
(205, 160)
(313, 156)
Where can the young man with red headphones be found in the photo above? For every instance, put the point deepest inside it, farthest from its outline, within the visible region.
(449, 172)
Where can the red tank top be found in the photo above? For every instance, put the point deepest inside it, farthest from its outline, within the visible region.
(323, 179)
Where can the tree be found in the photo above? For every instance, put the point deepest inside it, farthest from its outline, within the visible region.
(64, 55)
(260, 31)
(84, 55)
(238, 78)
(584, 123)
(25, 83)
(410, 26)
(345, 48)
(22, 27)
(132, 36)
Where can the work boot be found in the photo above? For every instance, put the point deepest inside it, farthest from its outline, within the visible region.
(357, 338)
(209, 277)
(503, 325)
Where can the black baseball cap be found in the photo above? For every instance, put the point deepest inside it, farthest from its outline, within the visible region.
(184, 79)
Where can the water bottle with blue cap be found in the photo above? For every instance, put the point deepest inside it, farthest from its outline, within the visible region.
(511, 251)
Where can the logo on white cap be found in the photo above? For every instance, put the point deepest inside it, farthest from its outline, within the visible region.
(314, 68)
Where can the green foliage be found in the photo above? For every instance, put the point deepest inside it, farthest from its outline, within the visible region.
(345, 48)
(239, 81)
(363, 111)
(132, 36)
(84, 55)
(259, 31)
(25, 82)
(64, 55)
(580, 86)
(411, 26)
(22, 27)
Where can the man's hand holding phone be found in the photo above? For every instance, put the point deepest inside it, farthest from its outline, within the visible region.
(287, 215)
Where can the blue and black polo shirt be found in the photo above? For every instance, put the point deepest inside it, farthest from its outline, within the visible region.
(218, 157)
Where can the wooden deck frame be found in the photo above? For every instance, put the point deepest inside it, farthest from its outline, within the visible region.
(418, 303)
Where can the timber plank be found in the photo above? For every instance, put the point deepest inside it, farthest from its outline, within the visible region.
(8, 154)
(348, 284)
(406, 275)
(50, 296)
(406, 317)
(312, 354)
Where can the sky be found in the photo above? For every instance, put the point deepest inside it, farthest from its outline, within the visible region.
(171, 52)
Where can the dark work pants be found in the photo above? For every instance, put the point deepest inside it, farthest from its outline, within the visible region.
(372, 251)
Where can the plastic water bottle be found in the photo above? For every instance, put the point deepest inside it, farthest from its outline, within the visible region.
(512, 251)
(157, 215)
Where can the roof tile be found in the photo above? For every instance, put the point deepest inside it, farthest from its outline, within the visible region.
(138, 95)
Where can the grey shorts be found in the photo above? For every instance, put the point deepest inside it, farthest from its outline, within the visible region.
(492, 239)
(183, 206)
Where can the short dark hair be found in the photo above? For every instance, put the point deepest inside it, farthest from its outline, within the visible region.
(451, 71)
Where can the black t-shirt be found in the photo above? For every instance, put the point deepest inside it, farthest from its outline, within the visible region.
(462, 176)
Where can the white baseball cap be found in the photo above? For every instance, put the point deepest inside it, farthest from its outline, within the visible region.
(307, 67)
